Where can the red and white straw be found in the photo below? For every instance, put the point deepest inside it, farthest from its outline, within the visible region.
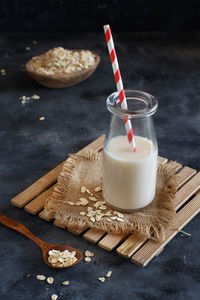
(120, 88)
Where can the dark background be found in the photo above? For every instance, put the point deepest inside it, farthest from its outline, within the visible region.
(164, 61)
(90, 15)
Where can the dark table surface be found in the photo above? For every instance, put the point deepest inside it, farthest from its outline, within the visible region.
(166, 65)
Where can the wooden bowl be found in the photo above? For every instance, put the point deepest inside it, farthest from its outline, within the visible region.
(61, 80)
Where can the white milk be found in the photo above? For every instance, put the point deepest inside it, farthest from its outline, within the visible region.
(129, 178)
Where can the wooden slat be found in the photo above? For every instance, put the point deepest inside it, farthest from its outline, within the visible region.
(111, 240)
(37, 204)
(77, 231)
(187, 191)
(145, 254)
(44, 216)
(37, 187)
(132, 244)
(184, 175)
(48, 179)
(94, 235)
(58, 224)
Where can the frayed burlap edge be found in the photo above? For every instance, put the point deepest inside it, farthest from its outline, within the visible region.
(150, 222)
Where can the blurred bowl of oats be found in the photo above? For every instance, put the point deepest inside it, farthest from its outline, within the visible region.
(59, 67)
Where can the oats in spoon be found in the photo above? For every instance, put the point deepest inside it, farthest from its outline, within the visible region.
(63, 259)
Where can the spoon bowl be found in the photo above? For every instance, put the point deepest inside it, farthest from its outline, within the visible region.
(49, 247)
(61, 80)
(45, 247)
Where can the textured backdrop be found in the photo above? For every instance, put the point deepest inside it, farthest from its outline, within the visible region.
(90, 15)
(168, 66)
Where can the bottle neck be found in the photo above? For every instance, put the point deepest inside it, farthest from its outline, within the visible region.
(140, 105)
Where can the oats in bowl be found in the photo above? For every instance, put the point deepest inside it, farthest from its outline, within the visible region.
(61, 67)
(60, 60)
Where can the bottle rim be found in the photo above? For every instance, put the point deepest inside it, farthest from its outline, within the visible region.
(140, 104)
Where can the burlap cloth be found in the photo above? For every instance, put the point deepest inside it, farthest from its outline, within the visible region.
(86, 170)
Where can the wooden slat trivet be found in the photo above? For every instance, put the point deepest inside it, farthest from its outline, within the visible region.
(132, 244)
(146, 253)
(141, 251)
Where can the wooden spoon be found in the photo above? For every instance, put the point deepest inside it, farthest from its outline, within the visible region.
(45, 247)
(61, 80)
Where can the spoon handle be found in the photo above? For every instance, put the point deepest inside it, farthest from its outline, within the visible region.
(12, 224)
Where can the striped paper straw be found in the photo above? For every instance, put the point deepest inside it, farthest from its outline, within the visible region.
(120, 88)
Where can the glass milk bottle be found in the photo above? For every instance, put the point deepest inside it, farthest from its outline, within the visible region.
(129, 178)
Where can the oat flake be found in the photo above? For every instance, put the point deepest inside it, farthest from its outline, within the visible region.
(50, 280)
(102, 279)
(88, 253)
(108, 274)
(87, 259)
(41, 277)
(65, 283)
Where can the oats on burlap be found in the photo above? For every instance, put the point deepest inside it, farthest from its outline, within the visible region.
(82, 213)
(97, 189)
(83, 189)
(93, 198)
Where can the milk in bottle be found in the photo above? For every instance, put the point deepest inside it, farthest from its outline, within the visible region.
(129, 178)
